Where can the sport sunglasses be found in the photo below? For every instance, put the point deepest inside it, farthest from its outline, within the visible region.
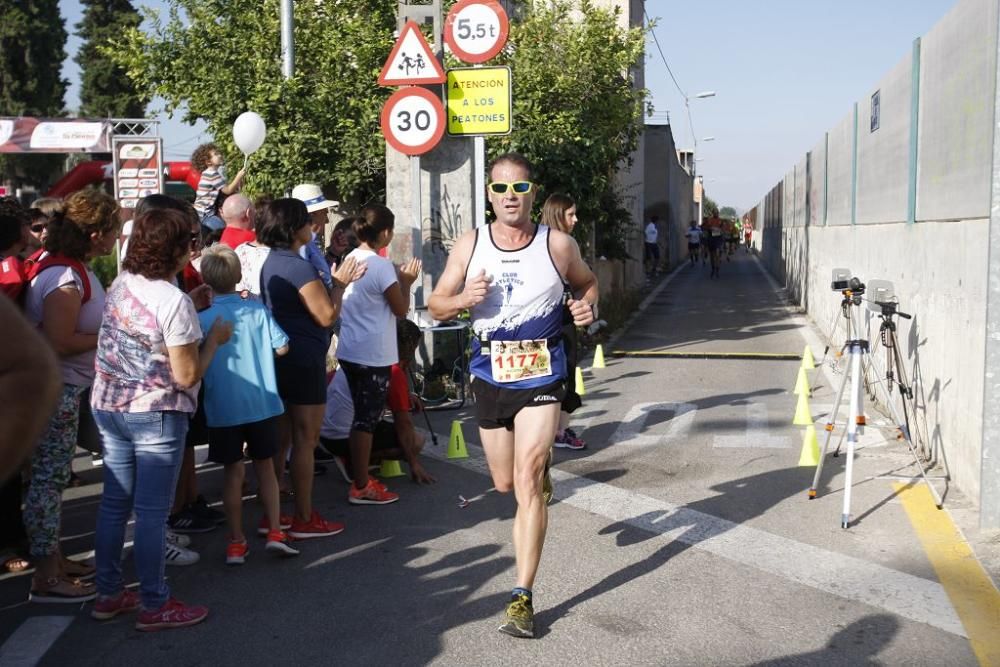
(519, 187)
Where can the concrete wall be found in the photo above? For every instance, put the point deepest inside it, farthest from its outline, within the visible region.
(956, 113)
(938, 270)
(883, 155)
(447, 198)
(629, 178)
(669, 192)
(838, 172)
(817, 184)
(910, 205)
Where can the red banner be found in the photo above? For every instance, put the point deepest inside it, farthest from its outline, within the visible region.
(54, 135)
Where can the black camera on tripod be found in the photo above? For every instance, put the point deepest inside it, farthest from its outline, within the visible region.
(843, 282)
(852, 288)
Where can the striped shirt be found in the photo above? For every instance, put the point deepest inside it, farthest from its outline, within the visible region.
(209, 185)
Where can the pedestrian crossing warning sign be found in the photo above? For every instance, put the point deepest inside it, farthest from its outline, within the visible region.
(479, 101)
(411, 61)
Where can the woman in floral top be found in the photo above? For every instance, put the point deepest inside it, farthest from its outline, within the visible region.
(149, 368)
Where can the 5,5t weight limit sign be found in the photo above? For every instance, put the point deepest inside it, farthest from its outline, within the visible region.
(476, 30)
(412, 121)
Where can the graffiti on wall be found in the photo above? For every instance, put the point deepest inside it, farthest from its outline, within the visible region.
(444, 225)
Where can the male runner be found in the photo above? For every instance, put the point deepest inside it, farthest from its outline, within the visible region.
(693, 235)
(715, 241)
(513, 272)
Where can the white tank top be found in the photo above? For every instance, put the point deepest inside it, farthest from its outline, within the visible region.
(524, 302)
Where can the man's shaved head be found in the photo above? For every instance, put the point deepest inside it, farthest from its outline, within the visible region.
(235, 211)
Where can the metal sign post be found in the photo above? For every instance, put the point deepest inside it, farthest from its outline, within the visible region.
(476, 30)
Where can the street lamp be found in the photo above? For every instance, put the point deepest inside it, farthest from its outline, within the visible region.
(707, 139)
(687, 107)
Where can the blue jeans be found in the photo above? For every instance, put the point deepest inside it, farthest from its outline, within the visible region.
(142, 460)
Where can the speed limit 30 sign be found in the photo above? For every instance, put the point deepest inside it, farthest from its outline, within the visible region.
(476, 30)
(413, 120)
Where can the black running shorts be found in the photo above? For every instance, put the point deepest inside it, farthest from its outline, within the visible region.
(225, 444)
(300, 385)
(496, 406)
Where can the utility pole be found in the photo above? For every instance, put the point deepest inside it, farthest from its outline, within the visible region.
(287, 39)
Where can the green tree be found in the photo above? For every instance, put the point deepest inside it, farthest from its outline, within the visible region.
(728, 212)
(577, 114)
(32, 50)
(105, 90)
(709, 208)
(223, 57)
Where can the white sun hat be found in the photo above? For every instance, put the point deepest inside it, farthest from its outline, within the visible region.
(311, 195)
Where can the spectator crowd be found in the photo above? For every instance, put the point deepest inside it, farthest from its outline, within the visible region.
(230, 323)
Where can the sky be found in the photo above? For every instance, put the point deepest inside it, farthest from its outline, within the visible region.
(784, 72)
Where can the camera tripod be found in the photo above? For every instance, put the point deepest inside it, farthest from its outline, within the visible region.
(895, 374)
(857, 350)
(852, 298)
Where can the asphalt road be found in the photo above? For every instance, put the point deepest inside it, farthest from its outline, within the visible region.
(681, 536)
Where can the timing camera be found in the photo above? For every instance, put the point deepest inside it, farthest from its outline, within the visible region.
(841, 280)
(883, 300)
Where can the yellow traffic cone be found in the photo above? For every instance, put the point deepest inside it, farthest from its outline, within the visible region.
(810, 448)
(802, 383)
(456, 443)
(808, 362)
(598, 357)
(391, 468)
(579, 382)
(803, 415)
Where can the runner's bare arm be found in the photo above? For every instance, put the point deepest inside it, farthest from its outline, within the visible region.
(583, 282)
(449, 298)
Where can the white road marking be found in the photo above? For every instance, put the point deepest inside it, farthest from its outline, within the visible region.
(30, 642)
(912, 597)
(845, 576)
(757, 434)
(632, 426)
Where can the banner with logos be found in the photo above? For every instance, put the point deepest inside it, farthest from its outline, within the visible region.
(54, 135)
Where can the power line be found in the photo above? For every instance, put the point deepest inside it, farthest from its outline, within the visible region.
(652, 32)
(687, 105)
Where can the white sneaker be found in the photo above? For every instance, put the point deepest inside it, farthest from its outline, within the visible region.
(178, 555)
(177, 539)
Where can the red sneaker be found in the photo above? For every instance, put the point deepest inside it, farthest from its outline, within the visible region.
(107, 608)
(173, 614)
(237, 552)
(317, 526)
(374, 493)
(264, 527)
(278, 543)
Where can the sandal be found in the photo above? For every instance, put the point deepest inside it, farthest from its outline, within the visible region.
(74, 569)
(60, 590)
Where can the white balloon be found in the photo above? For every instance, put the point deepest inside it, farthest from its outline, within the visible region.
(249, 131)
